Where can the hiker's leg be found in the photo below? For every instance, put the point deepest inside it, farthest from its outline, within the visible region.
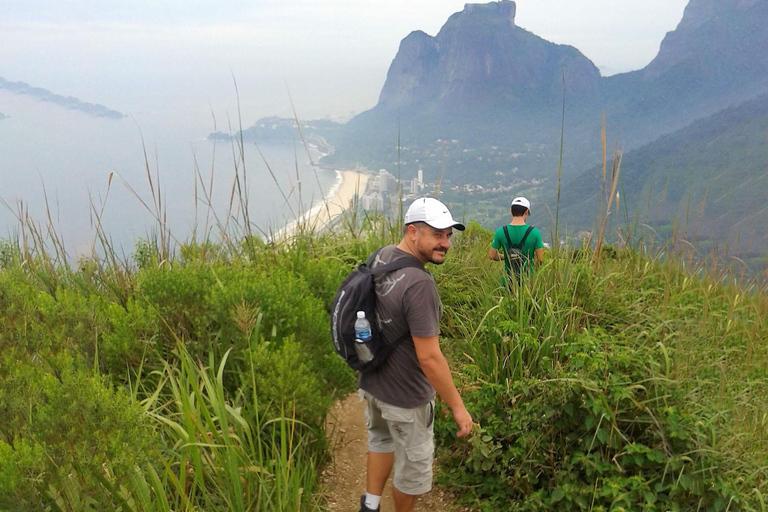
(381, 448)
(412, 432)
(403, 502)
(379, 468)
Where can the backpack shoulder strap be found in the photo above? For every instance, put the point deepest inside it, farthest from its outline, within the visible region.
(527, 232)
(506, 233)
(506, 248)
(522, 241)
(392, 265)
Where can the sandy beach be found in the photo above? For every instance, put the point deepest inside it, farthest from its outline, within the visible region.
(340, 198)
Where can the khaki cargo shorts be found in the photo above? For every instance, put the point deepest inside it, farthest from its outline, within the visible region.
(410, 434)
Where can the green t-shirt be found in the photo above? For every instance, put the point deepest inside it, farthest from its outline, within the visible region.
(516, 234)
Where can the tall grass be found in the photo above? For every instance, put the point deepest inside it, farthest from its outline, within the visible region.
(613, 354)
(221, 441)
(223, 454)
(633, 341)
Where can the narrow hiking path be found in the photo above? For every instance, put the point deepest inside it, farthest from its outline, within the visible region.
(343, 480)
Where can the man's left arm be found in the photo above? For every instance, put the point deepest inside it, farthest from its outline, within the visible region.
(435, 368)
(422, 312)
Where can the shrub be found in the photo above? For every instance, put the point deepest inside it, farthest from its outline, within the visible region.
(62, 424)
(599, 432)
(286, 382)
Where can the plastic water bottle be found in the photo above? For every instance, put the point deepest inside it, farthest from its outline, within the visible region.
(363, 338)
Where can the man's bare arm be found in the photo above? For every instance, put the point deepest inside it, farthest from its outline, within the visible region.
(495, 255)
(436, 369)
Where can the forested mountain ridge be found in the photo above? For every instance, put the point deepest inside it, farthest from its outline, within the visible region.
(714, 59)
(711, 177)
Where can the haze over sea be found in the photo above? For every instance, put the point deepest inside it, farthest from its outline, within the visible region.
(164, 63)
(68, 155)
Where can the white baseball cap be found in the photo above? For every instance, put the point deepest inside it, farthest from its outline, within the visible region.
(431, 212)
(521, 201)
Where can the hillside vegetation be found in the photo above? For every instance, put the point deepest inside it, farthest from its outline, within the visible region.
(708, 178)
(201, 381)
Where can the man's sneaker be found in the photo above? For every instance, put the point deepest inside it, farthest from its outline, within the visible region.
(363, 508)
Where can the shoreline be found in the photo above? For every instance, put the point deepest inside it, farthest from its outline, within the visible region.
(349, 184)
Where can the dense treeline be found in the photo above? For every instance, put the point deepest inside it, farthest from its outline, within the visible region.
(202, 381)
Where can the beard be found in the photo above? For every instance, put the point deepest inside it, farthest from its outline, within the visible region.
(435, 256)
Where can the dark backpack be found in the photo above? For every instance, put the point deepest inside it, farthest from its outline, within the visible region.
(514, 253)
(358, 293)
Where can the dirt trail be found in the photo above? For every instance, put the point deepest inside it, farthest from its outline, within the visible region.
(344, 479)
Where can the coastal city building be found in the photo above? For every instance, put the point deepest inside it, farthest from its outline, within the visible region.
(384, 191)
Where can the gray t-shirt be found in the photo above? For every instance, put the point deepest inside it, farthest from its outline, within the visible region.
(407, 305)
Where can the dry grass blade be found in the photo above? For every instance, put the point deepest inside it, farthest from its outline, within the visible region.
(242, 191)
(309, 155)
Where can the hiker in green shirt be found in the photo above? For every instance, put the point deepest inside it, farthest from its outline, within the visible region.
(517, 244)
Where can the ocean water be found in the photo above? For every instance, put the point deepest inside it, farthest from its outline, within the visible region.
(69, 165)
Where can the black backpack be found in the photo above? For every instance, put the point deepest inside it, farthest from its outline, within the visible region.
(358, 293)
(514, 252)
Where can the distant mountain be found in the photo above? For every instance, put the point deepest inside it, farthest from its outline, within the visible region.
(714, 59)
(2, 116)
(67, 102)
(483, 81)
(710, 179)
(481, 59)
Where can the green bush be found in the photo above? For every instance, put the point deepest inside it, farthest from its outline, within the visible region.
(602, 385)
(131, 335)
(61, 423)
(598, 431)
(214, 307)
(287, 383)
(612, 383)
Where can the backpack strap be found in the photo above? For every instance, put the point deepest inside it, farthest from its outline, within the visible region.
(506, 233)
(507, 247)
(407, 261)
(389, 267)
(527, 232)
(520, 245)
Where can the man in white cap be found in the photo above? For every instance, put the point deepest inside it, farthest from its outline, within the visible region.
(517, 244)
(400, 394)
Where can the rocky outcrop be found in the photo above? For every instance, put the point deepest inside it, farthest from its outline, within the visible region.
(480, 58)
(413, 72)
(505, 10)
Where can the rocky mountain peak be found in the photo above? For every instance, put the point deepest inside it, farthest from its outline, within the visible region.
(506, 10)
(480, 58)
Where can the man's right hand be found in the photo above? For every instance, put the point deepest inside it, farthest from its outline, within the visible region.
(463, 420)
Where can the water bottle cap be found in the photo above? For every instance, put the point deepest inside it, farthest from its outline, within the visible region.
(361, 314)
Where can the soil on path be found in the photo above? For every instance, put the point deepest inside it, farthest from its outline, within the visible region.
(343, 480)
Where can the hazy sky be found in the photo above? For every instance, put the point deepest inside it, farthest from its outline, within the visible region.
(333, 55)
